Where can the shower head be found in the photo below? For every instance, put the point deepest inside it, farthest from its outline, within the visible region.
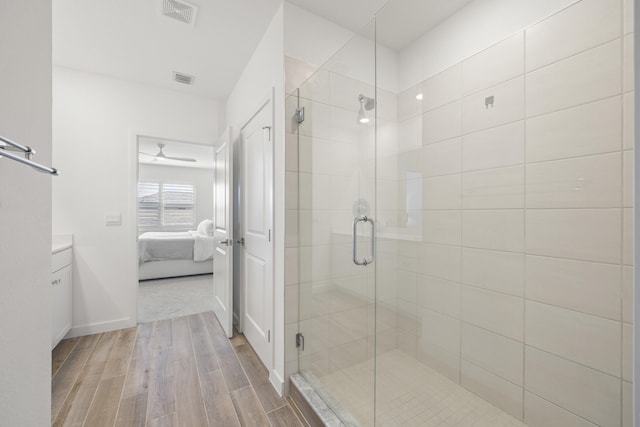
(366, 104)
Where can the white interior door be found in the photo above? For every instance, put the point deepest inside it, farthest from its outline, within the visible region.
(222, 234)
(257, 208)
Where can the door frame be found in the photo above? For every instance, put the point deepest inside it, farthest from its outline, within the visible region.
(134, 136)
(237, 138)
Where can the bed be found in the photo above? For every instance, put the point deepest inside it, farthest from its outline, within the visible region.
(173, 254)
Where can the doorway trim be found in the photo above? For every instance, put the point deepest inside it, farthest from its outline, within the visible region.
(134, 136)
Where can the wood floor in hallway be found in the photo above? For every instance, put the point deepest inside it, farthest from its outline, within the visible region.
(176, 372)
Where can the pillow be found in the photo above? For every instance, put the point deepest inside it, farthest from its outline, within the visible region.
(206, 227)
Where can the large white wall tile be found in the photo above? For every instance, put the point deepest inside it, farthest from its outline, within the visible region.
(586, 234)
(317, 86)
(441, 261)
(442, 227)
(291, 190)
(408, 105)
(499, 188)
(579, 27)
(503, 394)
(439, 295)
(627, 236)
(344, 158)
(314, 191)
(628, 16)
(588, 287)
(582, 78)
(507, 107)
(292, 261)
(442, 192)
(542, 413)
(317, 121)
(496, 64)
(345, 91)
(314, 155)
(439, 359)
(627, 294)
(442, 158)
(577, 388)
(627, 404)
(438, 329)
(501, 230)
(627, 78)
(495, 353)
(442, 123)
(291, 152)
(495, 147)
(494, 270)
(500, 313)
(409, 134)
(443, 88)
(582, 182)
(583, 338)
(627, 178)
(587, 129)
(627, 352)
(627, 121)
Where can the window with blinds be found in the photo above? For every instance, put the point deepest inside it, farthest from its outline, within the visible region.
(165, 205)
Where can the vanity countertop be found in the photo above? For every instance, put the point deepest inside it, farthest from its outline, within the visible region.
(60, 242)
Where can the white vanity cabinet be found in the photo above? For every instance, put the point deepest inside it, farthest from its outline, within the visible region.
(61, 282)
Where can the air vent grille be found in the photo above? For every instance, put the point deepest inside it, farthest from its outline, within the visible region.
(180, 10)
(183, 78)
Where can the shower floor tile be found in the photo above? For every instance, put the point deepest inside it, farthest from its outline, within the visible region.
(409, 393)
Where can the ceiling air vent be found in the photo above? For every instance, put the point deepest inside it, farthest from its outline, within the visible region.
(180, 10)
(183, 78)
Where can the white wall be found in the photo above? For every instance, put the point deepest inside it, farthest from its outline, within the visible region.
(95, 122)
(263, 73)
(200, 178)
(25, 219)
(316, 41)
(479, 25)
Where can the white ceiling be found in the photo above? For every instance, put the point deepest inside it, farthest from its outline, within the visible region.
(132, 40)
(202, 153)
(398, 23)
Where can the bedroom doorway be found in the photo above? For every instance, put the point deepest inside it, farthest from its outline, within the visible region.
(174, 228)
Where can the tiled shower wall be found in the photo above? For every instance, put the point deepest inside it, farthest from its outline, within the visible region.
(520, 288)
(504, 203)
(330, 165)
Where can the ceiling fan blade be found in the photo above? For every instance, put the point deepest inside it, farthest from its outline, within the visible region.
(182, 159)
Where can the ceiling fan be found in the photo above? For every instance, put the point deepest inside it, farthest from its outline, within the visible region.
(161, 156)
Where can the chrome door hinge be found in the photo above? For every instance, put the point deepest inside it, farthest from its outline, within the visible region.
(269, 234)
(269, 335)
(299, 115)
(300, 341)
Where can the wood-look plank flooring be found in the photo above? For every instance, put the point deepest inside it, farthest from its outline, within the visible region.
(176, 372)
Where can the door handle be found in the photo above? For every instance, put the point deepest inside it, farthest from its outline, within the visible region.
(240, 242)
(227, 242)
(369, 260)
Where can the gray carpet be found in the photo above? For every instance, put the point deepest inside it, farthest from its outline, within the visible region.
(169, 298)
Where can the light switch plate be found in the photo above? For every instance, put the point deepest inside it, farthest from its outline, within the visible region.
(113, 218)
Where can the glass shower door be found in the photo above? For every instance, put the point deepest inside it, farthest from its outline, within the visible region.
(336, 137)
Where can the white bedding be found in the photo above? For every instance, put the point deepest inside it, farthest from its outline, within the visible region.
(161, 246)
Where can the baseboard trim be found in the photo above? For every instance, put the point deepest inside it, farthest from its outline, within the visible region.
(277, 382)
(97, 328)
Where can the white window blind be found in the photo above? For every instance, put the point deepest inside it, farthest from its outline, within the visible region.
(165, 205)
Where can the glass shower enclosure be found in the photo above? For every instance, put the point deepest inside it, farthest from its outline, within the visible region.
(463, 218)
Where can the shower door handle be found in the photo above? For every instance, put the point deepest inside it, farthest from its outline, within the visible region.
(369, 260)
